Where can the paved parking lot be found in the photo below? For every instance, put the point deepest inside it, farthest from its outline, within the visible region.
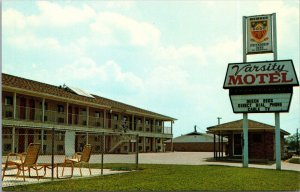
(187, 158)
(203, 158)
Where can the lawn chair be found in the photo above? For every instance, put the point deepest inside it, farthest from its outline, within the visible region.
(80, 158)
(23, 160)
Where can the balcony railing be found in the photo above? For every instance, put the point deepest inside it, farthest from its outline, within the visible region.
(54, 117)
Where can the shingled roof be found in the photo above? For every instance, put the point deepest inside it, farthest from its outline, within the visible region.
(238, 126)
(14, 82)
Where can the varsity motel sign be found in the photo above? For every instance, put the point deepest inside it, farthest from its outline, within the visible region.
(261, 87)
(265, 73)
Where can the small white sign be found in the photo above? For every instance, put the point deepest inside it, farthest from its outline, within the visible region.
(259, 34)
(261, 103)
(265, 73)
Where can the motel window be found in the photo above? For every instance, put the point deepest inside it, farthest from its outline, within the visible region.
(7, 147)
(115, 117)
(59, 136)
(139, 121)
(8, 100)
(83, 112)
(98, 147)
(147, 122)
(7, 133)
(60, 147)
(45, 105)
(97, 138)
(40, 135)
(97, 114)
(45, 135)
(257, 138)
(44, 148)
(60, 108)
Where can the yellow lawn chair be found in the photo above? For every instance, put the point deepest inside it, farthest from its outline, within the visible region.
(23, 161)
(80, 158)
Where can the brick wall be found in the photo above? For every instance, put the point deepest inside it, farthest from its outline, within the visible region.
(262, 145)
(197, 147)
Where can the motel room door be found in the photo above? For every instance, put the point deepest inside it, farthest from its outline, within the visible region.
(22, 108)
(21, 145)
(237, 145)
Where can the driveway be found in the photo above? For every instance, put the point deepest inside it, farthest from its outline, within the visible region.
(185, 158)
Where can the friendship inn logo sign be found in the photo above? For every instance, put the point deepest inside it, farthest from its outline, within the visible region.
(259, 34)
(266, 73)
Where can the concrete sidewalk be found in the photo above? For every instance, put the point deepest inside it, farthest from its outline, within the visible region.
(13, 181)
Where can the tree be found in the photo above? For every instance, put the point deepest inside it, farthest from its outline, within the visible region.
(292, 141)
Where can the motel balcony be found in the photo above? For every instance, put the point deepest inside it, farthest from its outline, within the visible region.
(37, 115)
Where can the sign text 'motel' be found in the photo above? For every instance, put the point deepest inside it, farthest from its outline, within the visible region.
(267, 73)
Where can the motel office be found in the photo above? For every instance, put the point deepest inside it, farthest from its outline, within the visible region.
(30, 110)
(261, 140)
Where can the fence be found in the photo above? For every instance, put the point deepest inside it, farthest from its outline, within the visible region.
(108, 149)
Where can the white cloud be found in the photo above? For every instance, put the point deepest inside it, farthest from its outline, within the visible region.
(50, 14)
(120, 4)
(87, 69)
(120, 28)
(180, 54)
(53, 14)
(27, 41)
(13, 18)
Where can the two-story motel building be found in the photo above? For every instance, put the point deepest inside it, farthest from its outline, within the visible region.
(31, 109)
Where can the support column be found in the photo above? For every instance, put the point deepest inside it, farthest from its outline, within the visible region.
(245, 138)
(25, 138)
(87, 138)
(42, 140)
(277, 141)
(161, 145)
(13, 139)
(172, 136)
(215, 145)
(144, 144)
(43, 110)
(15, 105)
(67, 116)
(155, 144)
(172, 127)
(43, 120)
(144, 124)
(132, 122)
(219, 144)
(222, 150)
(87, 116)
(104, 119)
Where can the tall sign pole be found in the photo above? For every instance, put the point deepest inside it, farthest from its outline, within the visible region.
(245, 115)
(262, 86)
(277, 115)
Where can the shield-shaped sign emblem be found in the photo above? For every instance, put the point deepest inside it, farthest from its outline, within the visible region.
(259, 30)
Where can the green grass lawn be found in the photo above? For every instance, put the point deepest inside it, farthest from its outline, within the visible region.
(177, 177)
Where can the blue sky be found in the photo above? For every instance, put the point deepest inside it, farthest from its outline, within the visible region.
(169, 57)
